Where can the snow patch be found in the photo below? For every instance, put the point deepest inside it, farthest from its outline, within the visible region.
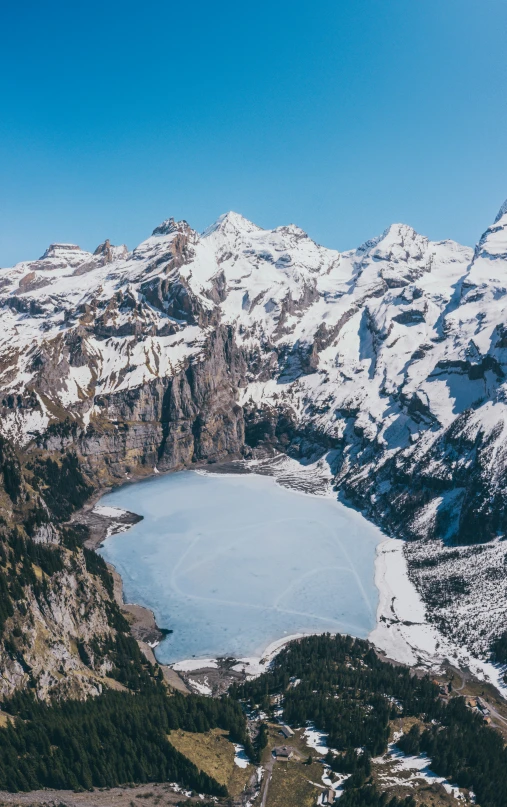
(240, 758)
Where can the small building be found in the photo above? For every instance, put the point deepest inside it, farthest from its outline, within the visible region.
(329, 796)
(286, 731)
(483, 706)
(283, 753)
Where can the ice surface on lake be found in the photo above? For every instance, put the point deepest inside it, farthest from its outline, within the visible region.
(232, 563)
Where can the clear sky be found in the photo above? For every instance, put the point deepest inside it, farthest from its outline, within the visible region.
(341, 116)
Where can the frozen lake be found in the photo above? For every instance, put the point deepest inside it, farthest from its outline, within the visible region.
(232, 563)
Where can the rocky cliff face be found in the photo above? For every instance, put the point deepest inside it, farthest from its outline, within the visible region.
(57, 616)
(121, 347)
(49, 628)
(164, 424)
(389, 360)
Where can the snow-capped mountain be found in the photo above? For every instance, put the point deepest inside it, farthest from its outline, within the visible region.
(112, 321)
(390, 359)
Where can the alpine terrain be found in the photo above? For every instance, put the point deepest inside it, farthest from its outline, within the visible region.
(386, 364)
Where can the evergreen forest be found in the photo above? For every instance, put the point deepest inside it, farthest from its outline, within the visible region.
(340, 684)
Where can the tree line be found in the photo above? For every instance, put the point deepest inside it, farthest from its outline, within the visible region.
(344, 688)
(113, 739)
(339, 684)
(466, 751)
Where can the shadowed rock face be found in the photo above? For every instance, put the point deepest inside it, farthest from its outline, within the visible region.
(170, 423)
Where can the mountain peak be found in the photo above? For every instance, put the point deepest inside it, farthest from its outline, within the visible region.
(395, 234)
(399, 231)
(103, 248)
(170, 226)
(231, 222)
(108, 252)
(57, 250)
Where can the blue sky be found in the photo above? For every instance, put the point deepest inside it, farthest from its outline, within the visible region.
(339, 115)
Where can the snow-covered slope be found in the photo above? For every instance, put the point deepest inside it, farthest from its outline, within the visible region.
(390, 359)
(355, 320)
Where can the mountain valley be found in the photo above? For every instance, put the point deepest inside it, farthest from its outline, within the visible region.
(382, 369)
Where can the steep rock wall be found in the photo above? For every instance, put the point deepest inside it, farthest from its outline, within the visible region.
(166, 424)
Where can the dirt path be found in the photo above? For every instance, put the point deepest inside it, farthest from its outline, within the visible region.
(269, 771)
(265, 782)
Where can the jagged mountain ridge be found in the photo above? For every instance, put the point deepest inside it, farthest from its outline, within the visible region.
(390, 359)
(386, 352)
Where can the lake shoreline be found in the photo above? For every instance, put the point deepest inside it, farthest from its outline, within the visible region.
(141, 619)
(250, 564)
(405, 634)
(397, 639)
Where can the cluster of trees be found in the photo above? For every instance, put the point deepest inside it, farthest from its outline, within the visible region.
(254, 749)
(62, 428)
(18, 556)
(499, 649)
(341, 686)
(465, 751)
(62, 485)
(130, 666)
(10, 470)
(106, 741)
(74, 535)
(357, 765)
(344, 688)
(6, 609)
(23, 553)
(261, 740)
(447, 591)
(95, 564)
